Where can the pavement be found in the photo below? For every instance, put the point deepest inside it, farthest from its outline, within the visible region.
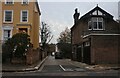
(36, 66)
(99, 67)
(21, 67)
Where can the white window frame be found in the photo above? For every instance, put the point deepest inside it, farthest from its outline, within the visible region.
(8, 4)
(21, 20)
(7, 28)
(90, 22)
(5, 16)
(87, 44)
(6, 37)
(23, 2)
(92, 27)
(98, 25)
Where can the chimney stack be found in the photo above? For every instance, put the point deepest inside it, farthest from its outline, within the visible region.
(76, 16)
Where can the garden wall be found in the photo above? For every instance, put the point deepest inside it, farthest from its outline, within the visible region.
(32, 56)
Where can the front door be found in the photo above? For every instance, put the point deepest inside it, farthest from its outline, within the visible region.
(79, 54)
(23, 30)
(86, 53)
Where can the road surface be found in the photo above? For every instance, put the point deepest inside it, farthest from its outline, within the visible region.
(62, 68)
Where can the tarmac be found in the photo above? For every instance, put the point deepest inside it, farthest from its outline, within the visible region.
(36, 66)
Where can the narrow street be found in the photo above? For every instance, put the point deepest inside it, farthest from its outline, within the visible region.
(59, 65)
(63, 68)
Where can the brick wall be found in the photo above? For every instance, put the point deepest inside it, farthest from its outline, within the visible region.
(32, 56)
(104, 49)
(77, 32)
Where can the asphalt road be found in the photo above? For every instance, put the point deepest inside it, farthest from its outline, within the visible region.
(61, 68)
(59, 65)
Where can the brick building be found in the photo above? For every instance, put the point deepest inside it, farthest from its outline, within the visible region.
(95, 38)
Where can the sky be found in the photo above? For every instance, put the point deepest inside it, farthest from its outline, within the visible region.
(59, 14)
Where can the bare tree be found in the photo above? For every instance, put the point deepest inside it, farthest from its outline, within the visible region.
(65, 36)
(45, 34)
(64, 43)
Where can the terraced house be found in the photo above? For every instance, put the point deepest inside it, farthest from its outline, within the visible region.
(96, 38)
(20, 16)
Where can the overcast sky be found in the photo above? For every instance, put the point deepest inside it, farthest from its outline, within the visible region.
(59, 15)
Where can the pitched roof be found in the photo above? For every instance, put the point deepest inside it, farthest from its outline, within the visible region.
(38, 7)
(89, 14)
(106, 14)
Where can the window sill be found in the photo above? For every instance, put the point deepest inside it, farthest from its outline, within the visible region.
(8, 22)
(24, 22)
(24, 4)
(9, 4)
(96, 29)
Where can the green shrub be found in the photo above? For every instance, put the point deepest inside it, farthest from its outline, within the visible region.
(16, 46)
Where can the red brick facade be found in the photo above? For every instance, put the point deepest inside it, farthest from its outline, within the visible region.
(104, 49)
(32, 56)
(100, 45)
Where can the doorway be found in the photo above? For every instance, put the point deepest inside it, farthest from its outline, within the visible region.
(23, 30)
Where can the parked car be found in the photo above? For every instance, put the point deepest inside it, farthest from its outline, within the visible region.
(58, 55)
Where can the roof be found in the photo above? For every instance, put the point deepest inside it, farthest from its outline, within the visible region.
(38, 7)
(107, 15)
(89, 14)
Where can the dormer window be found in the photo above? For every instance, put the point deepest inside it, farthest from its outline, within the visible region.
(9, 2)
(24, 2)
(95, 23)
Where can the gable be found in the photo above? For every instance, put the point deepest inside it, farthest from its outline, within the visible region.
(97, 11)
